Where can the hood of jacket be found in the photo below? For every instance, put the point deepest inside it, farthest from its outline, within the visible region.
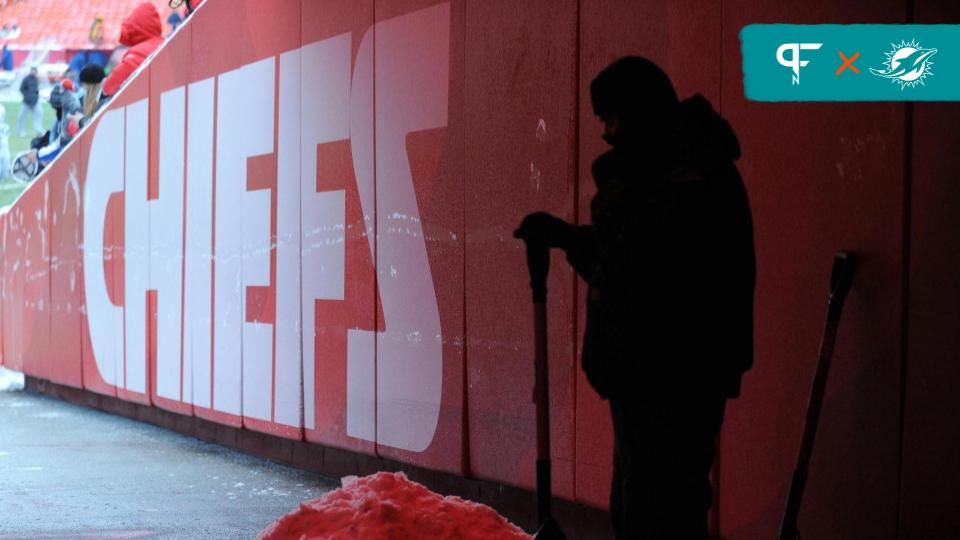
(141, 25)
(700, 138)
(704, 136)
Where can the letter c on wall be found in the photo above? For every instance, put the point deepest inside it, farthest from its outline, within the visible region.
(104, 177)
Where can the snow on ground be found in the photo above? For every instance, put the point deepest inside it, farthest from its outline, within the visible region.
(388, 505)
(10, 381)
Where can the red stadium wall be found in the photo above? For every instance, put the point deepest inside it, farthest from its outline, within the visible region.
(299, 223)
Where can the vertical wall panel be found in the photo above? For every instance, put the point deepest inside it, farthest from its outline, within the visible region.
(520, 152)
(14, 289)
(682, 38)
(65, 266)
(931, 438)
(207, 62)
(169, 75)
(821, 177)
(9, 300)
(15, 329)
(419, 130)
(338, 304)
(198, 249)
(104, 258)
(135, 378)
(288, 359)
(33, 309)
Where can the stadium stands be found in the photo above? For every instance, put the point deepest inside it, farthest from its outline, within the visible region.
(69, 23)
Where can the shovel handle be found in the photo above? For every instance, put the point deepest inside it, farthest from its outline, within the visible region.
(841, 279)
(538, 262)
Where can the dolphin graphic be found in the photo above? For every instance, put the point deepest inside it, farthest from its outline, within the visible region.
(907, 64)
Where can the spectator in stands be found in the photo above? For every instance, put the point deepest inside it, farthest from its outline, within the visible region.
(174, 20)
(69, 86)
(69, 117)
(6, 58)
(82, 59)
(96, 30)
(142, 32)
(10, 32)
(97, 58)
(57, 99)
(42, 140)
(91, 79)
(30, 90)
(191, 5)
(79, 60)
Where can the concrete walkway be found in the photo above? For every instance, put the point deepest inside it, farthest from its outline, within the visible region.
(69, 472)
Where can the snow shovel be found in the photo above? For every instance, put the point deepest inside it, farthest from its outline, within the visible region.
(538, 262)
(841, 278)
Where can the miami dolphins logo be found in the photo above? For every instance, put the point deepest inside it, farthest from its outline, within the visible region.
(907, 64)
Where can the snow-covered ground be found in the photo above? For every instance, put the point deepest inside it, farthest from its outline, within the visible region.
(69, 472)
(10, 381)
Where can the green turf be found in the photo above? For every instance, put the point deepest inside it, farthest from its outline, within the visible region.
(9, 190)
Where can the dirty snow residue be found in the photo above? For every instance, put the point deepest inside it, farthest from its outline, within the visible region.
(10, 381)
(389, 506)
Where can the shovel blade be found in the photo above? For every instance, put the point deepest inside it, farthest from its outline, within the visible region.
(550, 530)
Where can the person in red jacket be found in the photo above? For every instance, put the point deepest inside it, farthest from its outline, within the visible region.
(143, 33)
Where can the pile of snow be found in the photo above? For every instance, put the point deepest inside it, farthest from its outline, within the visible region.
(10, 381)
(389, 506)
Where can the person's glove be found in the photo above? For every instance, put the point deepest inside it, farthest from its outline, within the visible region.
(543, 228)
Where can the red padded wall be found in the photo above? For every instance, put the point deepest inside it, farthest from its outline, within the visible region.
(335, 170)
(821, 177)
(92, 380)
(931, 437)
(112, 267)
(167, 72)
(520, 148)
(33, 280)
(436, 164)
(136, 90)
(66, 299)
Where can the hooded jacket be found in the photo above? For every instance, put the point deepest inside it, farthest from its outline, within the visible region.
(669, 259)
(30, 89)
(143, 33)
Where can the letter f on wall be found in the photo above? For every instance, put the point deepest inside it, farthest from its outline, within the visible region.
(412, 85)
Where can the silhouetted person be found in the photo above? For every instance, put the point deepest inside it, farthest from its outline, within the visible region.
(669, 261)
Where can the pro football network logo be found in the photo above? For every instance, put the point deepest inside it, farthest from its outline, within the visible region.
(907, 64)
(794, 62)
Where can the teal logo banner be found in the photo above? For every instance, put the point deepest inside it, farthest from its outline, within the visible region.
(855, 62)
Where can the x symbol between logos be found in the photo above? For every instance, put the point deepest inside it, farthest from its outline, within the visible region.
(848, 62)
